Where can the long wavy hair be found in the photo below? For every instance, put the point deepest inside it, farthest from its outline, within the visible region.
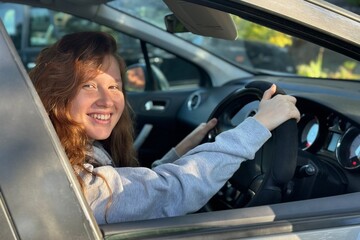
(59, 72)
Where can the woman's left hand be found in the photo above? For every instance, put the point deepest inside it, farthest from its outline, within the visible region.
(195, 137)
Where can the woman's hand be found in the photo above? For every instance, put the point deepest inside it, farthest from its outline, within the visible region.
(274, 111)
(195, 137)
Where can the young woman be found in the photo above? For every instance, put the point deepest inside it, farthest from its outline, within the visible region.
(80, 80)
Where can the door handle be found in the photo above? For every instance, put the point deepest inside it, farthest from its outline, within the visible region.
(155, 105)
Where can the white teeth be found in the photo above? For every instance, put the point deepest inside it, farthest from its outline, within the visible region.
(100, 116)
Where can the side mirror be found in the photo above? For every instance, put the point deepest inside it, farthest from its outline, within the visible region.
(138, 79)
(135, 79)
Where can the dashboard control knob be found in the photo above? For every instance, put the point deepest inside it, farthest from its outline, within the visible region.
(307, 170)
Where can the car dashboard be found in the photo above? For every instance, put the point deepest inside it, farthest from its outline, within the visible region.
(329, 145)
(327, 133)
(328, 161)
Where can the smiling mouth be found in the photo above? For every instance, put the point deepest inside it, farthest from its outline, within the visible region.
(102, 117)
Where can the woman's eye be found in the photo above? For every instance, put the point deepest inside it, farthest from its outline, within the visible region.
(115, 87)
(89, 86)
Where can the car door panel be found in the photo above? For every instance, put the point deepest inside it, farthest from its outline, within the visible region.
(159, 110)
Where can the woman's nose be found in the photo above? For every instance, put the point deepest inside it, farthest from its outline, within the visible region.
(104, 99)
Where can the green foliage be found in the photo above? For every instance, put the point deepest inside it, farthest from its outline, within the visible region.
(254, 32)
(346, 71)
(315, 69)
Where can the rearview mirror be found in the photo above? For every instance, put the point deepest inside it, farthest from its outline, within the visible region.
(199, 20)
(174, 25)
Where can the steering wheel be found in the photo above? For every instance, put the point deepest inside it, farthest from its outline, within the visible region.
(262, 180)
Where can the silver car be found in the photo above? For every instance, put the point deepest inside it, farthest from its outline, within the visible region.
(199, 59)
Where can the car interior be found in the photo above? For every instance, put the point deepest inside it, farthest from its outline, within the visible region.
(306, 177)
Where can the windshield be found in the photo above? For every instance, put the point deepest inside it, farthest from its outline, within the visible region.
(257, 48)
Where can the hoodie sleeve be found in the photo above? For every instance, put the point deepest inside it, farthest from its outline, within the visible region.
(177, 188)
(169, 157)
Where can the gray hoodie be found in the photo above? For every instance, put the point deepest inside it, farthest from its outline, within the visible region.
(174, 186)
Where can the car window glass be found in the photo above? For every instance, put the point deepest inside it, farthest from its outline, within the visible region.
(12, 17)
(44, 27)
(41, 27)
(177, 72)
(168, 72)
(258, 48)
(152, 11)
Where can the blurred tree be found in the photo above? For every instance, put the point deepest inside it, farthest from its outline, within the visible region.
(254, 32)
(316, 69)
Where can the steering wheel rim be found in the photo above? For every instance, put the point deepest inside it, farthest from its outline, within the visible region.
(261, 180)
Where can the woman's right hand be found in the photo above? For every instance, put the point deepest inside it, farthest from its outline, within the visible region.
(274, 111)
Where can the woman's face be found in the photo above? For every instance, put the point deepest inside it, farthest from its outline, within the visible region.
(100, 102)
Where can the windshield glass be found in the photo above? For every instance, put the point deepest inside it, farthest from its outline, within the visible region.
(256, 48)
